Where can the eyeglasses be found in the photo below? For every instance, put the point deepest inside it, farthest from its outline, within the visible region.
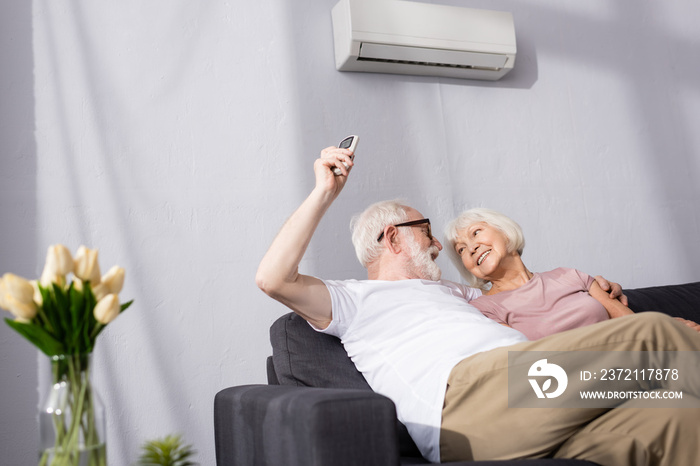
(413, 223)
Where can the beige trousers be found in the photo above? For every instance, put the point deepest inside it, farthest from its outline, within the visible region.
(477, 423)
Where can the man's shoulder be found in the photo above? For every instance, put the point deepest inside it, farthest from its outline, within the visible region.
(350, 285)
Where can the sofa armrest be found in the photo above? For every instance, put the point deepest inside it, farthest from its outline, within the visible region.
(301, 426)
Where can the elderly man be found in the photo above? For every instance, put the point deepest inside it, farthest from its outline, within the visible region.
(416, 340)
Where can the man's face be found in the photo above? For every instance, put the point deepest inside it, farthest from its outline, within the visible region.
(423, 249)
(422, 260)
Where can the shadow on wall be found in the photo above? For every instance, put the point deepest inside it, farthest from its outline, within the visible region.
(18, 254)
(629, 41)
(108, 120)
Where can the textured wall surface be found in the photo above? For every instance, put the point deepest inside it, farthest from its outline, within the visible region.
(18, 201)
(178, 136)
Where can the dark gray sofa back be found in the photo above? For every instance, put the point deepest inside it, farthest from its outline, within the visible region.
(303, 356)
(674, 300)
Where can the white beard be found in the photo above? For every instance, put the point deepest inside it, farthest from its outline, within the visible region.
(422, 262)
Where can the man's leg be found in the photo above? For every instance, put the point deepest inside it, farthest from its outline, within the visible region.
(629, 435)
(477, 422)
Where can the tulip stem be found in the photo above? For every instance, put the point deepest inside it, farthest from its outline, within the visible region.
(96, 330)
(75, 428)
(45, 318)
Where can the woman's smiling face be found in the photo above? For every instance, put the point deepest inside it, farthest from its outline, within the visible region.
(482, 247)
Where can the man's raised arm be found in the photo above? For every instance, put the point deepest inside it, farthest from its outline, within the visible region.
(278, 273)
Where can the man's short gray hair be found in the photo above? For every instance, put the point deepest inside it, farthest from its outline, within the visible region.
(368, 225)
(512, 231)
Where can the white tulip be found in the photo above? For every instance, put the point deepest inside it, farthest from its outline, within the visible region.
(23, 310)
(62, 258)
(112, 282)
(18, 296)
(3, 303)
(107, 309)
(59, 263)
(114, 279)
(48, 276)
(86, 266)
(18, 287)
(38, 299)
(99, 291)
(78, 284)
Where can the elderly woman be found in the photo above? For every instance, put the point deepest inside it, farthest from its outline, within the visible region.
(486, 246)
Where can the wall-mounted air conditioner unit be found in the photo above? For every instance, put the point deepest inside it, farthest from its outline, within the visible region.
(406, 37)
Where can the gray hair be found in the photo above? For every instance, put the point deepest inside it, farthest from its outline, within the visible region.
(512, 231)
(368, 225)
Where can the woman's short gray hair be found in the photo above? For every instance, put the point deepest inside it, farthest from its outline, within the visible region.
(368, 225)
(512, 231)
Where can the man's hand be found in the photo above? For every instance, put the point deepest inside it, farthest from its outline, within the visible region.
(613, 288)
(327, 181)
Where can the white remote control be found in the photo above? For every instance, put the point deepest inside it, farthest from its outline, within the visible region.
(349, 143)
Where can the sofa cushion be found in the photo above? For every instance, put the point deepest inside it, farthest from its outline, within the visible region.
(298, 352)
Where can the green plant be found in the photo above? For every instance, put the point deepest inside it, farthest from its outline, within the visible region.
(168, 451)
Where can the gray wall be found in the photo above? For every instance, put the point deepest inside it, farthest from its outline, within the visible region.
(18, 253)
(176, 137)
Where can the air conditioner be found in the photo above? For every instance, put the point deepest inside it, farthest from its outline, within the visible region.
(406, 37)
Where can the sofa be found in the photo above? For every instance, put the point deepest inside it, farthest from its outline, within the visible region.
(317, 409)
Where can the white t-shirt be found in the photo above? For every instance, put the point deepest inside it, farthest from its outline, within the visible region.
(405, 337)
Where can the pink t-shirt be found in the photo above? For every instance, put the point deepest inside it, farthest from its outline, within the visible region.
(550, 302)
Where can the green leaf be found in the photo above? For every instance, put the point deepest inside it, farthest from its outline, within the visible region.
(168, 451)
(87, 342)
(125, 306)
(90, 322)
(38, 337)
(51, 313)
(62, 311)
(77, 312)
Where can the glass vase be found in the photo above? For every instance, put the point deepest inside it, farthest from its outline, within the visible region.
(71, 416)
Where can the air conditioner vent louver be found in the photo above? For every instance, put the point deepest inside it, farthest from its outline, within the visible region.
(423, 63)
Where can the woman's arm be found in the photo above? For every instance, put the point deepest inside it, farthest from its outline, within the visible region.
(613, 288)
(614, 307)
